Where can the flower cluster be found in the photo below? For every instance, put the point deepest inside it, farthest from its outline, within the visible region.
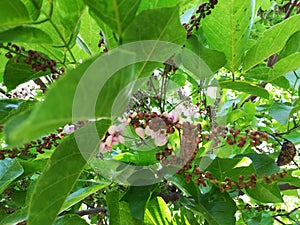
(38, 61)
(233, 136)
(201, 178)
(153, 125)
(261, 208)
(34, 147)
(203, 10)
(114, 136)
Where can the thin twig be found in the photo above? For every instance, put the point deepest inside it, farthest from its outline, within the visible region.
(288, 13)
(92, 211)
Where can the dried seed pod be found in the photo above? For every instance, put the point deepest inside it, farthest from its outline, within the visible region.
(287, 153)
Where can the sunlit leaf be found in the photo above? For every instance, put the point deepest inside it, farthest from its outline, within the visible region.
(58, 178)
(227, 29)
(272, 41)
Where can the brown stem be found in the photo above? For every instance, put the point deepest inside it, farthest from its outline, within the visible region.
(4, 93)
(91, 211)
(288, 13)
(42, 85)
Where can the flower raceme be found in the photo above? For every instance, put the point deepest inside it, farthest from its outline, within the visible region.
(153, 125)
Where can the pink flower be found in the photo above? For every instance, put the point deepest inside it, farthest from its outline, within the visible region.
(140, 131)
(159, 137)
(69, 129)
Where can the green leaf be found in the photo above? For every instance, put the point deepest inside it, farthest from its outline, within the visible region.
(13, 13)
(33, 7)
(227, 29)
(18, 73)
(291, 47)
(272, 41)
(13, 107)
(70, 220)
(157, 212)
(151, 4)
(109, 35)
(160, 24)
(214, 59)
(65, 22)
(217, 208)
(16, 217)
(246, 88)
(80, 194)
(285, 65)
(190, 189)
(266, 193)
(280, 112)
(59, 176)
(10, 169)
(79, 102)
(32, 166)
(25, 34)
(221, 168)
(117, 14)
(89, 33)
(7, 106)
(262, 73)
(263, 164)
(258, 73)
(119, 211)
(137, 197)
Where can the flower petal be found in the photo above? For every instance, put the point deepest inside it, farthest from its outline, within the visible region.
(140, 131)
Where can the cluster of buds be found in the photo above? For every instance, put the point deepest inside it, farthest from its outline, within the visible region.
(38, 61)
(101, 43)
(202, 178)
(34, 147)
(203, 10)
(233, 136)
(261, 208)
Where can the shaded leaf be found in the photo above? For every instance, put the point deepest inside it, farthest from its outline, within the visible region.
(13, 13)
(117, 14)
(25, 34)
(265, 193)
(263, 164)
(292, 46)
(246, 88)
(272, 41)
(12, 107)
(119, 210)
(33, 8)
(16, 217)
(190, 189)
(214, 59)
(221, 168)
(137, 197)
(217, 208)
(151, 4)
(227, 29)
(10, 169)
(160, 24)
(285, 65)
(58, 178)
(7, 106)
(32, 166)
(80, 194)
(18, 73)
(280, 112)
(70, 220)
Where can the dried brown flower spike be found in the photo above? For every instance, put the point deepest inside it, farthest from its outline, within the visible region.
(287, 153)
